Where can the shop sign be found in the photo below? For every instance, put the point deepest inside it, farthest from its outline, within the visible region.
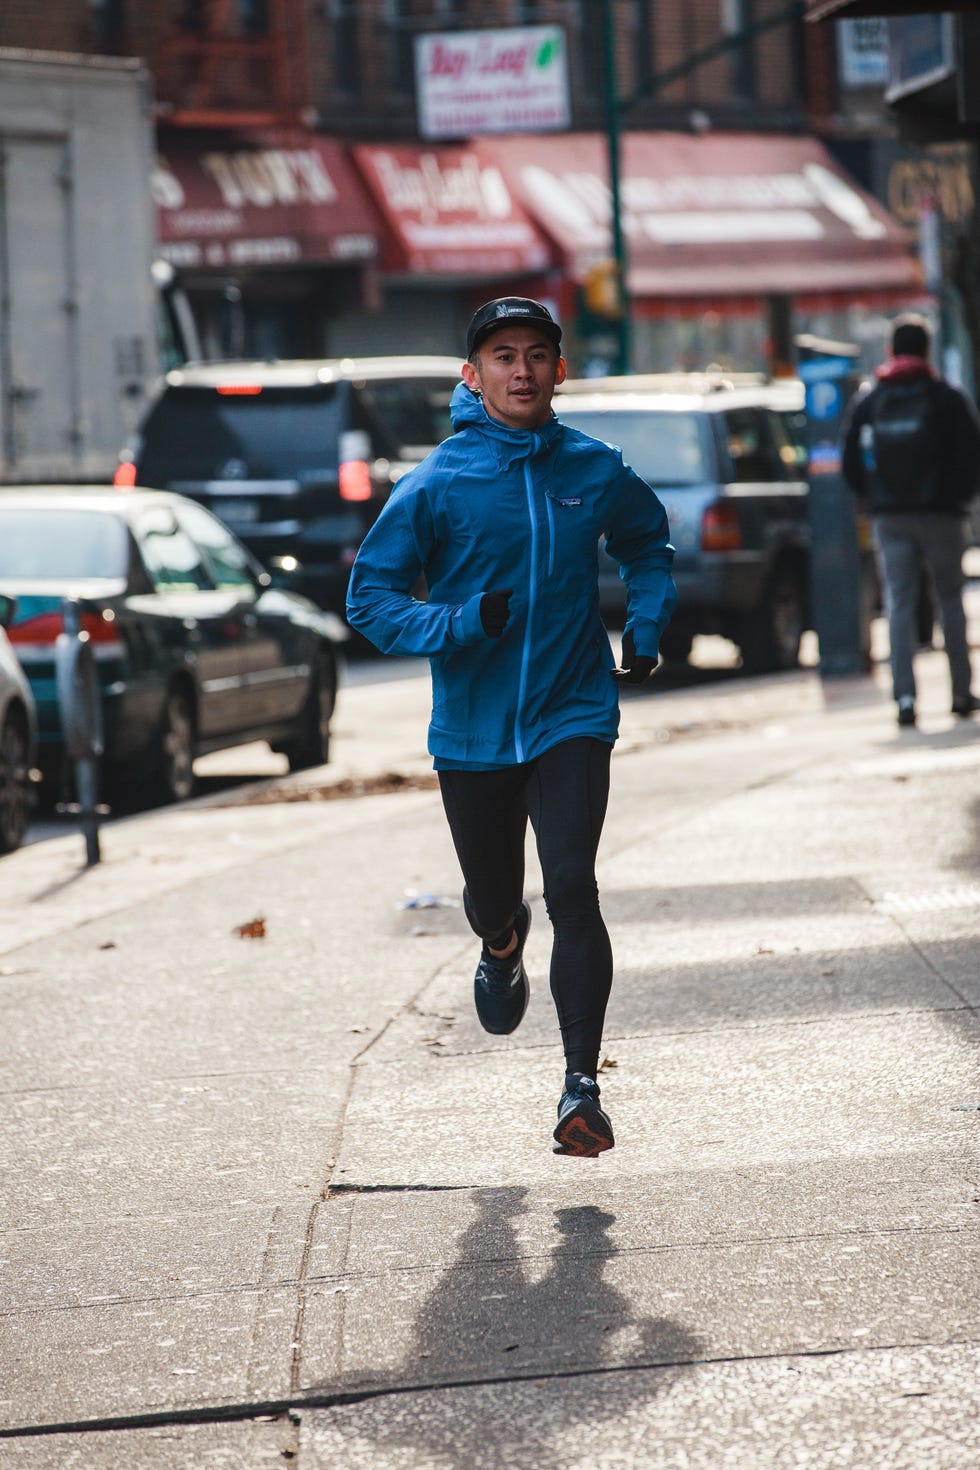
(451, 211)
(862, 52)
(493, 81)
(257, 207)
(941, 175)
(921, 52)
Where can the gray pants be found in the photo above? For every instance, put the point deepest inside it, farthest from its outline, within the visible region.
(901, 542)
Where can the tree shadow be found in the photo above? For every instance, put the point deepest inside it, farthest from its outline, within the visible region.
(523, 1359)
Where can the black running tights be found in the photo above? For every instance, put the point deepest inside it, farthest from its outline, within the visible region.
(564, 793)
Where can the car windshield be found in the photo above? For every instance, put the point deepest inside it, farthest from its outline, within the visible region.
(54, 544)
(204, 434)
(666, 449)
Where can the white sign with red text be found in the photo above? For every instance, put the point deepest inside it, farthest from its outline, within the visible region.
(493, 81)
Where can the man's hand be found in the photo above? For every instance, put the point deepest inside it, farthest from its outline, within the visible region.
(636, 667)
(494, 611)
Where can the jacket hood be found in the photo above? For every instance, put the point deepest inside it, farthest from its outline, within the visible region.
(467, 411)
(903, 370)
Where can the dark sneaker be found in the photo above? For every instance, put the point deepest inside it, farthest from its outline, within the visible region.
(906, 712)
(500, 987)
(966, 707)
(583, 1129)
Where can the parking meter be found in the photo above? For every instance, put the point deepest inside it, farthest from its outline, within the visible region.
(839, 576)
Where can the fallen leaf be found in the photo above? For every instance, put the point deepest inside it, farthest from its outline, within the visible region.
(254, 929)
(607, 1064)
(109, 944)
(828, 972)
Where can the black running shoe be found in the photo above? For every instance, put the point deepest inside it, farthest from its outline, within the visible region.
(500, 986)
(583, 1129)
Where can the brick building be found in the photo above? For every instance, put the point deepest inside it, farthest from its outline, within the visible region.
(305, 214)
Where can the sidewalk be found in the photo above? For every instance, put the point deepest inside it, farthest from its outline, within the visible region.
(279, 1199)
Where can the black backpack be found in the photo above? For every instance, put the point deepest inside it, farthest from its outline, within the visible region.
(906, 445)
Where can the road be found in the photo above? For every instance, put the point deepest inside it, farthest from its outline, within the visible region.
(269, 1194)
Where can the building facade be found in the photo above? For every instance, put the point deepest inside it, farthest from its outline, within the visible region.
(306, 215)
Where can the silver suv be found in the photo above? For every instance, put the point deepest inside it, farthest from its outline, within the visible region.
(729, 463)
(297, 458)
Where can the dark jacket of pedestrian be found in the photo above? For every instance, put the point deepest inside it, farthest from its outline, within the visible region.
(911, 442)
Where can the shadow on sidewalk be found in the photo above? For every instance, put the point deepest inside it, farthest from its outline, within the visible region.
(528, 1356)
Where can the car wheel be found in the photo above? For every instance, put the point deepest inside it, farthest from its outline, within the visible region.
(16, 795)
(311, 747)
(173, 776)
(770, 636)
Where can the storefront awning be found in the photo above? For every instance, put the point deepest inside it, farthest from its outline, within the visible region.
(450, 213)
(285, 199)
(716, 215)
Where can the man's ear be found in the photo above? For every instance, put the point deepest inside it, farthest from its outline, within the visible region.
(470, 377)
(562, 370)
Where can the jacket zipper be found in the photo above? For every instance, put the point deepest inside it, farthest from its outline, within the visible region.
(531, 591)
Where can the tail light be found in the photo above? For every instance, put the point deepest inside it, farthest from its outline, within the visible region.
(125, 476)
(239, 390)
(354, 479)
(721, 529)
(42, 631)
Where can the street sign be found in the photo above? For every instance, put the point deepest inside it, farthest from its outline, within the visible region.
(494, 81)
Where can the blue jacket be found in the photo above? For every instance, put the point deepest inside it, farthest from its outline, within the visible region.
(492, 508)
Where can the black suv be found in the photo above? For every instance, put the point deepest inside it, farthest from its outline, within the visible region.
(297, 458)
(728, 461)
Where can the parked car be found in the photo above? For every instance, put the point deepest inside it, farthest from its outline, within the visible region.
(297, 458)
(729, 463)
(195, 650)
(18, 739)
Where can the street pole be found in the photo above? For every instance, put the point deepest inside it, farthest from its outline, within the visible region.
(612, 139)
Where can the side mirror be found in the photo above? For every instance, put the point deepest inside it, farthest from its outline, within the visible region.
(8, 606)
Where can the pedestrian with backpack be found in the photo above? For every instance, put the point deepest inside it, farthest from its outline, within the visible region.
(911, 454)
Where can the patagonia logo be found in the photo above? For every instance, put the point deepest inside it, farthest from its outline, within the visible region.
(569, 499)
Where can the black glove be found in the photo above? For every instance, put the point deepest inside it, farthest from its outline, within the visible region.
(637, 667)
(494, 611)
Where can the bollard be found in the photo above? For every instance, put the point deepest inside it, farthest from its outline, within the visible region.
(80, 711)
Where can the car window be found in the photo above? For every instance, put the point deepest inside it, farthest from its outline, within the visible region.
(752, 445)
(276, 433)
(665, 449)
(227, 560)
(172, 560)
(791, 436)
(415, 411)
(56, 544)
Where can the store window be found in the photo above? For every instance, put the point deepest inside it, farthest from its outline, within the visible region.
(108, 24)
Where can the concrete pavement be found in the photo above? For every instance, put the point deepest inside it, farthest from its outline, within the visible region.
(280, 1200)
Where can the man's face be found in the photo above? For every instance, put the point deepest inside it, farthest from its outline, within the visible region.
(517, 370)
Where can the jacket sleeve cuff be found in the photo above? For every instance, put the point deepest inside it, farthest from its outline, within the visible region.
(465, 625)
(646, 639)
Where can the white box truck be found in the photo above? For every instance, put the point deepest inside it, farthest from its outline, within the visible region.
(78, 331)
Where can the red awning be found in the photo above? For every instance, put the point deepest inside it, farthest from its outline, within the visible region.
(721, 214)
(285, 199)
(449, 212)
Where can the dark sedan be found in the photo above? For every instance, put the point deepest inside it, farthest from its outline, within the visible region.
(195, 650)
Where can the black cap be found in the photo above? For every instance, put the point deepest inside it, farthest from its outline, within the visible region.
(505, 309)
